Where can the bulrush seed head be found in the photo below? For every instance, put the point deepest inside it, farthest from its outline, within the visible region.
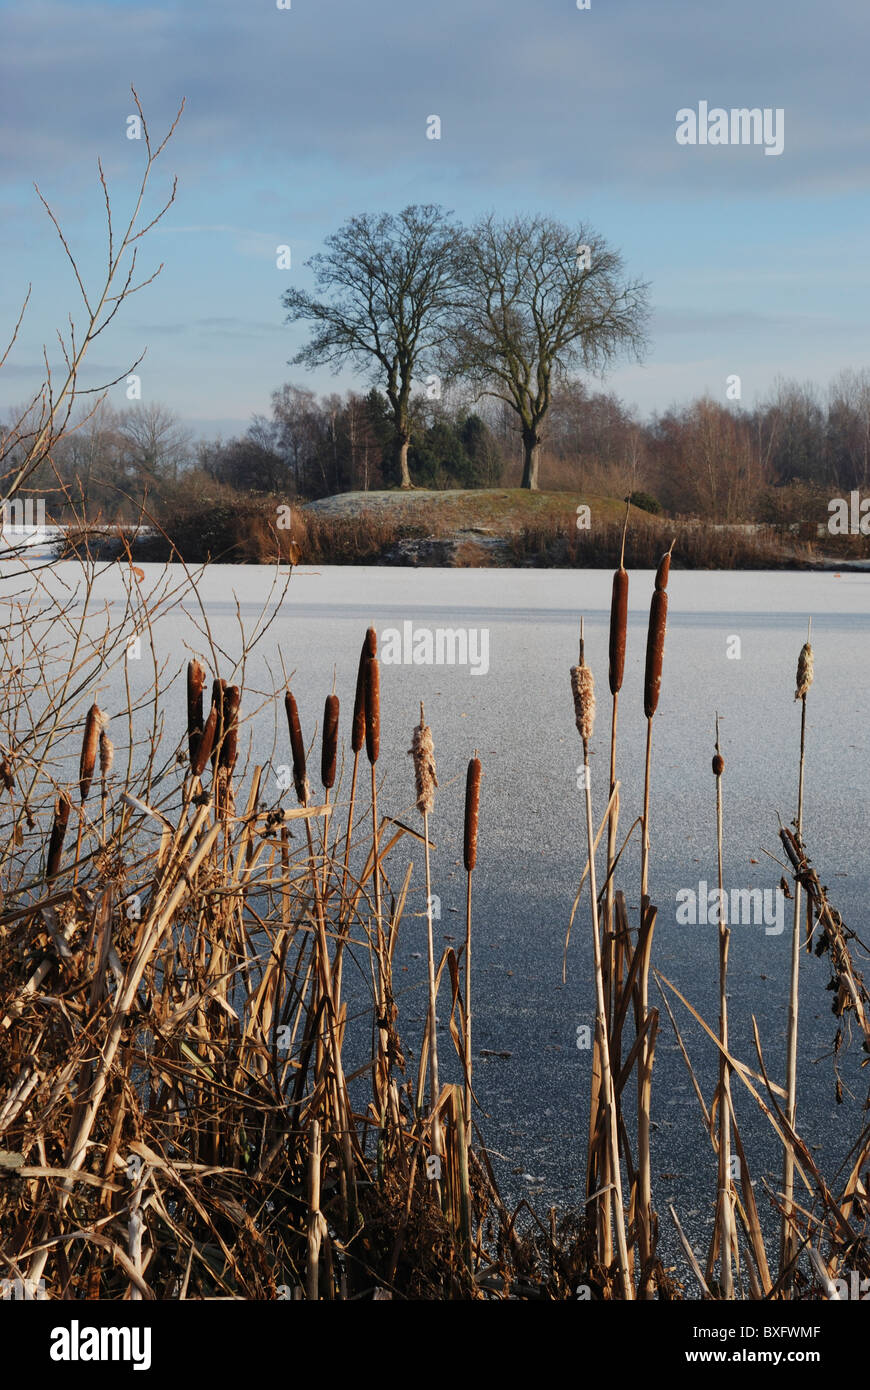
(62, 809)
(373, 709)
(618, 625)
(88, 761)
(472, 809)
(655, 652)
(329, 750)
(205, 743)
(107, 754)
(229, 747)
(804, 671)
(195, 687)
(358, 728)
(583, 688)
(297, 748)
(422, 750)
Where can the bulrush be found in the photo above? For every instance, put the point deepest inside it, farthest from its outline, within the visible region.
(205, 744)
(357, 739)
(655, 652)
(217, 701)
(373, 709)
(422, 750)
(297, 748)
(472, 809)
(469, 851)
(804, 671)
(62, 808)
(329, 750)
(358, 729)
(618, 624)
(195, 722)
(230, 711)
(788, 1244)
(88, 761)
(583, 689)
(107, 755)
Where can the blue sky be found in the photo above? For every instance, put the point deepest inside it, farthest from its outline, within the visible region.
(297, 119)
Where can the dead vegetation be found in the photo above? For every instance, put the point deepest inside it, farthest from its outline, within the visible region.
(193, 1105)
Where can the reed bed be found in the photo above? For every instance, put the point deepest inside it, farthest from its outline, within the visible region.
(192, 1106)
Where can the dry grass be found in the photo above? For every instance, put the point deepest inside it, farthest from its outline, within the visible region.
(177, 1117)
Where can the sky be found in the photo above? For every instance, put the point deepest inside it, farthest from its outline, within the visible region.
(297, 118)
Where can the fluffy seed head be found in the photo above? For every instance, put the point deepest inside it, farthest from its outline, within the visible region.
(107, 754)
(804, 671)
(422, 750)
(583, 689)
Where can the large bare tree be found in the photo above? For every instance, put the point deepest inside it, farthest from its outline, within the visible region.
(537, 300)
(385, 286)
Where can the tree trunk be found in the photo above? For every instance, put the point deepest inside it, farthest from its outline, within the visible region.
(403, 443)
(531, 459)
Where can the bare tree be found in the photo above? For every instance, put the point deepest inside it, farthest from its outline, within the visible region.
(390, 282)
(38, 428)
(537, 300)
(155, 441)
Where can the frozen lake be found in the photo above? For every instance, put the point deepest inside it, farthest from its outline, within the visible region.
(519, 715)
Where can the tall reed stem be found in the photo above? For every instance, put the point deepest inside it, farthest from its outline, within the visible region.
(788, 1235)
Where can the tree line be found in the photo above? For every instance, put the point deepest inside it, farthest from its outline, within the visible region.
(778, 461)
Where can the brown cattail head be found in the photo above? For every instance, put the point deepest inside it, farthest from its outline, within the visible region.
(107, 755)
(618, 624)
(472, 808)
(329, 749)
(373, 709)
(195, 687)
(88, 761)
(297, 748)
(217, 700)
(583, 689)
(230, 711)
(205, 744)
(422, 750)
(358, 729)
(718, 765)
(58, 831)
(664, 569)
(804, 671)
(655, 651)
